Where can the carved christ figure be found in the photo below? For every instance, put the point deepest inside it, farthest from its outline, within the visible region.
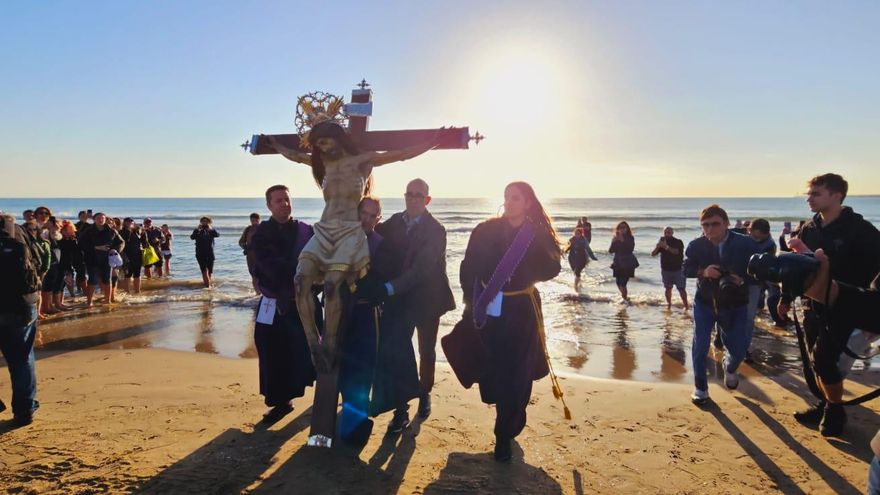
(338, 252)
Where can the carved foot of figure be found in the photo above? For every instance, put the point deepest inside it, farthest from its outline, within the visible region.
(322, 358)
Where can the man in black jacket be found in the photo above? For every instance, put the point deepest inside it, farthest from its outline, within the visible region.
(853, 246)
(418, 291)
(19, 289)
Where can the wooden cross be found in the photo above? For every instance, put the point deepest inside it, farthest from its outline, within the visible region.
(359, 111)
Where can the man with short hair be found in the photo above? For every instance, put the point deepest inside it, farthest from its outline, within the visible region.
(243, 243)
(19, 289)
(718, 261)
(83, 222)
(671, 251)
(366, 388)
(97, 242)
(284, 357)
(27, 216)
(853, 246)
(204, 236)
(418, 292)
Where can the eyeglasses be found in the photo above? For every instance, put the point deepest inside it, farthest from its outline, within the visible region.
(706, 225)
(410, 195)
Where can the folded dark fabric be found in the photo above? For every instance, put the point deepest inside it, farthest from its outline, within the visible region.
(465, 351)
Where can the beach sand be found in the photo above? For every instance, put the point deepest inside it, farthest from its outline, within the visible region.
(122, 418)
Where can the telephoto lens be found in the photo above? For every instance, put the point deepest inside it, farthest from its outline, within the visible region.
(792, 270)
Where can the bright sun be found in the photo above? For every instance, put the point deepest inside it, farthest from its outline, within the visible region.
(522, 88)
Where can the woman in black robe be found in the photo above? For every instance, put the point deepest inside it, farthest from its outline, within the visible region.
(514, 354)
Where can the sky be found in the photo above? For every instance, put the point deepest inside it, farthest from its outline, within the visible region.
(582, 98)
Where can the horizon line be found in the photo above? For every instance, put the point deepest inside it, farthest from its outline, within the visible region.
(434, 197)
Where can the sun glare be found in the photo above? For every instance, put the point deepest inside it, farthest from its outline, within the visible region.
(522, 88)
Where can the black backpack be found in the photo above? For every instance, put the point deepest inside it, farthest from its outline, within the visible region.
(19, 271)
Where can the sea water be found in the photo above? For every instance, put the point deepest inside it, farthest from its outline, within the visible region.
(590, 329)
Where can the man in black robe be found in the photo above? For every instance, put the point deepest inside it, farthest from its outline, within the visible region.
(286, 367)
(358, 347)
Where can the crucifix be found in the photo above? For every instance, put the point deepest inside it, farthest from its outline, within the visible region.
(342, 161)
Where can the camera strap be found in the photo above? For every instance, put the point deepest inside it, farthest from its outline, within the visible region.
(809, 374)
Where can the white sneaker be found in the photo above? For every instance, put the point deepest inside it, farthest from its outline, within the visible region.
(700, 397)
(731, 380)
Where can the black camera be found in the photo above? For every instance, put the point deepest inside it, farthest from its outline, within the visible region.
(792, 270)
(731, 292)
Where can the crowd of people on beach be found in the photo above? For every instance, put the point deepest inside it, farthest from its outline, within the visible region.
(499, 342)
(102, 253)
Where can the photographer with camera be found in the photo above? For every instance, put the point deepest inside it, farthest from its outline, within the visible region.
(848, 307)
(204, 236)
(852, 245)
(718, 261)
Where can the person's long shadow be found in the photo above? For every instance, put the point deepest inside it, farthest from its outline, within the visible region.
(838, 483)
(227, 464)
(480, 473)
(340, 470)
(784, 483)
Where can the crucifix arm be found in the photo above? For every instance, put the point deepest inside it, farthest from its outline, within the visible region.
(289, 153)
(379, 159)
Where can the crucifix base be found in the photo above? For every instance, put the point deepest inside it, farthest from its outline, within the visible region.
(323, 426)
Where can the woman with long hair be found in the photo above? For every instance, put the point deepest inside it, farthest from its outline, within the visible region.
(625, 263)
(499, 342)
(579, 253)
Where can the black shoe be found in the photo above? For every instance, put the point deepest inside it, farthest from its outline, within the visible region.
(502, 449)
(399, 422)
(23, 419)
(811, 416)
(276, 413)
(425, 406)
(833, 421)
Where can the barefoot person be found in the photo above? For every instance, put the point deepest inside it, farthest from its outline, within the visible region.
(500, 338)
(671, 251)
(166, 253)
(96, 242)
(135, 243)
(204, 236)
(625, 263)
(579, 253)
(284, 358)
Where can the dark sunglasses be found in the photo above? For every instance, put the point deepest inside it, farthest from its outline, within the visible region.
(410, 195)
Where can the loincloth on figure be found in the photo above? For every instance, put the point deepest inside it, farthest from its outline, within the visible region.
(341, 246)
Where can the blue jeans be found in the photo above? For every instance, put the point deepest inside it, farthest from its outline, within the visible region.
(734, 333)
(17, 333)
(874, 477)
(754, 299)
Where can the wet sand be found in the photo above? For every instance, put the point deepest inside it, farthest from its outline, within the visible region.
(119, 415)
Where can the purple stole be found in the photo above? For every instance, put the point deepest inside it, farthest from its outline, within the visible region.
(508, 264)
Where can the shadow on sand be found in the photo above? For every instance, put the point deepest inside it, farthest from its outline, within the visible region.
(227, 464)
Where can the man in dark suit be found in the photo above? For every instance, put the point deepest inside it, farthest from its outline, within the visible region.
(419, 285)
